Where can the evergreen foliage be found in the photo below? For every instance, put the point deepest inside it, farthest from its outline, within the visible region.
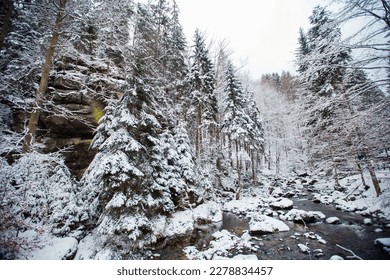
(203, 108)
(140, 174)
(175, 132)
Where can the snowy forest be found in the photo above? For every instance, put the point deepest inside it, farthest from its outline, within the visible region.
(123, 139)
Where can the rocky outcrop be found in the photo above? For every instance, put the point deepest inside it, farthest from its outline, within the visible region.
(78, 89)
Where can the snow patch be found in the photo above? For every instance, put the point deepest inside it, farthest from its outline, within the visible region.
(336, 257)
(332, 220)
(183, 222)
(242, 206)
(367, 221)
(87, 248)
(180, 223)
(304, 249)
(210, 211)
(298, 215)
(55, 249)
(221, 247)
(383, 241)
(265, 224)
(282, 203)
(245, 257)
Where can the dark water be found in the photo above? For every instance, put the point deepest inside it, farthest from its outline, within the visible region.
(351, 234)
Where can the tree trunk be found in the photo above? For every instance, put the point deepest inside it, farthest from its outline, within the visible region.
(277, 162)
(360, 169)
(253, 166)
(269, 157)
(335, 174)
(34, 117)
(230, 148)
(8, 7)
(198, 140)
(371, 170)
(237, 159)
(239, 168)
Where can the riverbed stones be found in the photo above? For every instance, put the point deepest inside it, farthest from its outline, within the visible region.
(322, 241)
(302, 216)
(245, 257)
(304, 248)
(262, 224)
(384, 242)
(367, 221)
(276, 192)
(318, 253)
(324, 199)
(282, 204)
(336, 257)
(332, 220)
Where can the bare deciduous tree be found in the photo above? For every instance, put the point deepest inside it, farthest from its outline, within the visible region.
(34, 117)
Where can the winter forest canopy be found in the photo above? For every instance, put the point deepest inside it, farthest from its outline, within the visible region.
(119, 136)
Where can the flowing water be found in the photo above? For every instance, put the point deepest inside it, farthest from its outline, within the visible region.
(351, 233)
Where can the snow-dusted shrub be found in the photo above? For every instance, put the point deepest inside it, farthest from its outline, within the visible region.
(34, 193)
(37, 187)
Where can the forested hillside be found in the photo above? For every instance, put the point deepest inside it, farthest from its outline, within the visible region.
(121, 138)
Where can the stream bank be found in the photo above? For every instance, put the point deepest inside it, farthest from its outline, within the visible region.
(321, 239)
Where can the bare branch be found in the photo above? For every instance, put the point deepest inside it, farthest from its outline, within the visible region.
(353, 254)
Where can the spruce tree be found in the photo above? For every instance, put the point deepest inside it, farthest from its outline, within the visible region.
(241, 125)
(137, 178)
(203, 110)
(175, 62)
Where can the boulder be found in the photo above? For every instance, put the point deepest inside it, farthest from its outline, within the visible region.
(301, 216)
(261, 224)
(384, 242)
(332, 220)
(245, 257)
(367, 221)
(282, 204)
(336, 257)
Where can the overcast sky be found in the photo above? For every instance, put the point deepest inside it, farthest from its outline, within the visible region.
(261, 33)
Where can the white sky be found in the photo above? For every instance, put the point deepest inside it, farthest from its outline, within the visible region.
(263, 34)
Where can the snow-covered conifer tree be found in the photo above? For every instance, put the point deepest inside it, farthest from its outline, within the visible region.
(136, 178)
(203, 107)
(241, 125)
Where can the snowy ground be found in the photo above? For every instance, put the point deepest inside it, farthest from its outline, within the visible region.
(268, 212)
(48, 247)
(359, 200)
